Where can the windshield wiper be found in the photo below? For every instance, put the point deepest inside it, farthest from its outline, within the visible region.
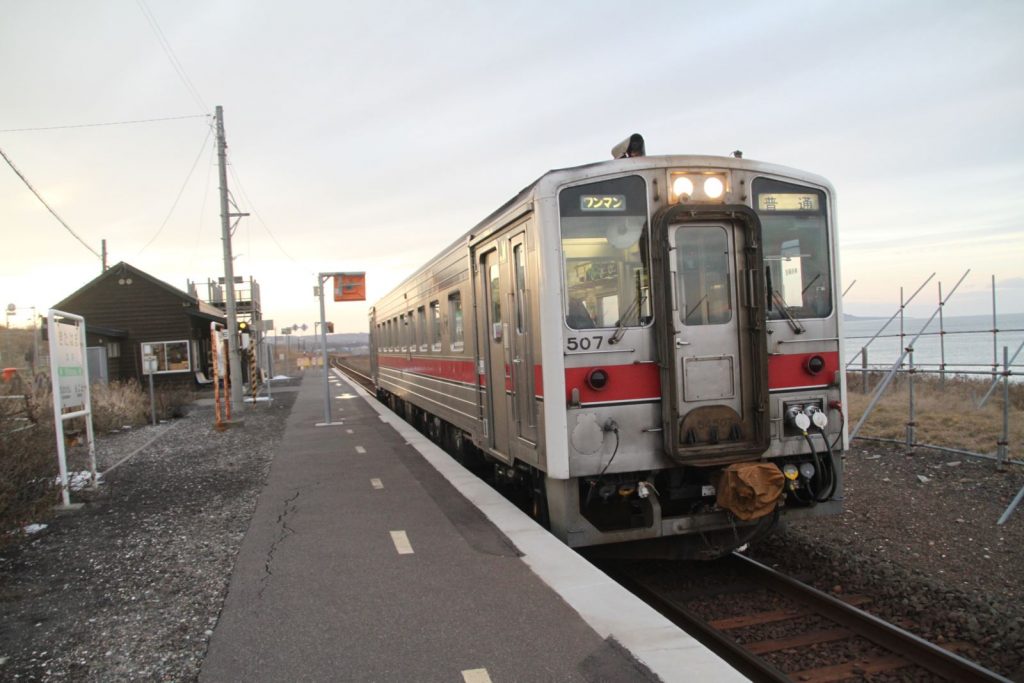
(793, 322)
(776, 298)
(620, 326)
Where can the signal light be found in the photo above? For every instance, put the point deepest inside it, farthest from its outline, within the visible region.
(814, 365)
(597, 379)
(243, 326)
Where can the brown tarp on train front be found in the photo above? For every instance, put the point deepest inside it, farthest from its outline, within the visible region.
(750, 490)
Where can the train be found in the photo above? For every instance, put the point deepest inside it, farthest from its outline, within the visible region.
(645, 351)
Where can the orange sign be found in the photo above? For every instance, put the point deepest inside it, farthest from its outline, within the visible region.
(350, 287)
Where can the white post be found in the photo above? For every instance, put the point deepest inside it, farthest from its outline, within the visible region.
(69, 380)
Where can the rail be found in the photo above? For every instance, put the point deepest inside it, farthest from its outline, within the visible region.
(902, 649)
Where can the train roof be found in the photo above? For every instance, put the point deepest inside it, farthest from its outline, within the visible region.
(546, 184)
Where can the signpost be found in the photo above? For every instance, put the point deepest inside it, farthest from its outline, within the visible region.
(69, 376)
(347, 287)
(150, 366)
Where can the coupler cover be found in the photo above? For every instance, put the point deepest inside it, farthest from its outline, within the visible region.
(750, 490)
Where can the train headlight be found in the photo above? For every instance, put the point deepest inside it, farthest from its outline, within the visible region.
(806, 470)
(791, 471)
(713, 187)
(682, 186)
(697, 186)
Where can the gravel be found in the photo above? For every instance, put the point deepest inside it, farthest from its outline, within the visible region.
(929, 553)
(131, 587)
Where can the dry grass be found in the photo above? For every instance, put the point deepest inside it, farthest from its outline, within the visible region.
(28, 462)
(118, 404)
(946, 414)
(28, 449)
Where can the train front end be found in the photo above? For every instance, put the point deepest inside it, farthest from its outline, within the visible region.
(701, 349)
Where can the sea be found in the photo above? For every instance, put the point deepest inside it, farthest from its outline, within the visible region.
(970, 344)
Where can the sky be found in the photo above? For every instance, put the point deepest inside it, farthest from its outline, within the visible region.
(368, 136)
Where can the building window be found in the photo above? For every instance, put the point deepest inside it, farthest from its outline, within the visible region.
(113, 349)
(171, 356)
(455, 321)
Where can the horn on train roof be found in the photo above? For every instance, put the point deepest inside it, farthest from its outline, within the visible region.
(633, 146)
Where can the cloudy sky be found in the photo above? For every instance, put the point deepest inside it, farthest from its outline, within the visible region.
(367, 136)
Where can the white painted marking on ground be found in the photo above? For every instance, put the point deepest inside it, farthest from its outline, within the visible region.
(476, 676)
(350, 431)
(376, 483)
(401, 541)
(360, 449)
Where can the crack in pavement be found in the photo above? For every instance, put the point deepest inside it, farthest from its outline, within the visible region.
(286, 531)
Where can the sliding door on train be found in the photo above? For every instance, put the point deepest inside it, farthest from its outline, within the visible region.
(506, 355)
(713, 336)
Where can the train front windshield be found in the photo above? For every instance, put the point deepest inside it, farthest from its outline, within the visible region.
(795, 234)
(604, 246)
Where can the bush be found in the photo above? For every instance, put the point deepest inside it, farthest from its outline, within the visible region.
(28, 463)
(28, 450)
(171, 402)
(118, 404)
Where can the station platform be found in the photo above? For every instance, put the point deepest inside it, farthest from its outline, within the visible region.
(373, 556)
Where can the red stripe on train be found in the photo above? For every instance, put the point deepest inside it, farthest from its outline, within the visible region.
(633, 382)
(789, 371)
(442, 368)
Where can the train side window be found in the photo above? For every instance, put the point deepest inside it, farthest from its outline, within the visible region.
(455, 330)
(403, 332)
(410, 321)
(421, 328)
(520, 275)
(435, 325)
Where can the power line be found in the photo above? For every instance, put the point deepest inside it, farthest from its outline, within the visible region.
(195, 163)
(48, 208)
(110, 123)
(257, 214)
(171, 57)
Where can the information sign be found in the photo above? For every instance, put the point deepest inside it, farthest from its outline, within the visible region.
(69, 363)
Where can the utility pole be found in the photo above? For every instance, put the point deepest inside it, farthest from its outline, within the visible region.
(234, 358)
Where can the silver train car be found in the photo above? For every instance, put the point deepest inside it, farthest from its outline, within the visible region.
(646, 350)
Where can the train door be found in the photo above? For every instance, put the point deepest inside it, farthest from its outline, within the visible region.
(523, 404)
(714, 384)
(495, 344)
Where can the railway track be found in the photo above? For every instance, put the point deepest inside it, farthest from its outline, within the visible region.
(355, 373)
(774, 628)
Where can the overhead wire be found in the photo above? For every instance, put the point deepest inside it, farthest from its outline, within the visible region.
(171, 57)
(174, 205)
(48, 207)
(108, 123)
(252, 208)
(202, 210)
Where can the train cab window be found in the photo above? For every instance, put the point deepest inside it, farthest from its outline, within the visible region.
(455, 330)
(435, 325)
(794, 228)
(606, 256)
(702, 264)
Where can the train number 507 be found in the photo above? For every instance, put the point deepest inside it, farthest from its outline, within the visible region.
(584, 343)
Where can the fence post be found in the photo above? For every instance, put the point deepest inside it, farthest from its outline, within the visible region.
(864, 370)
(942, 343)
(911, 423)
(1002, 444)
